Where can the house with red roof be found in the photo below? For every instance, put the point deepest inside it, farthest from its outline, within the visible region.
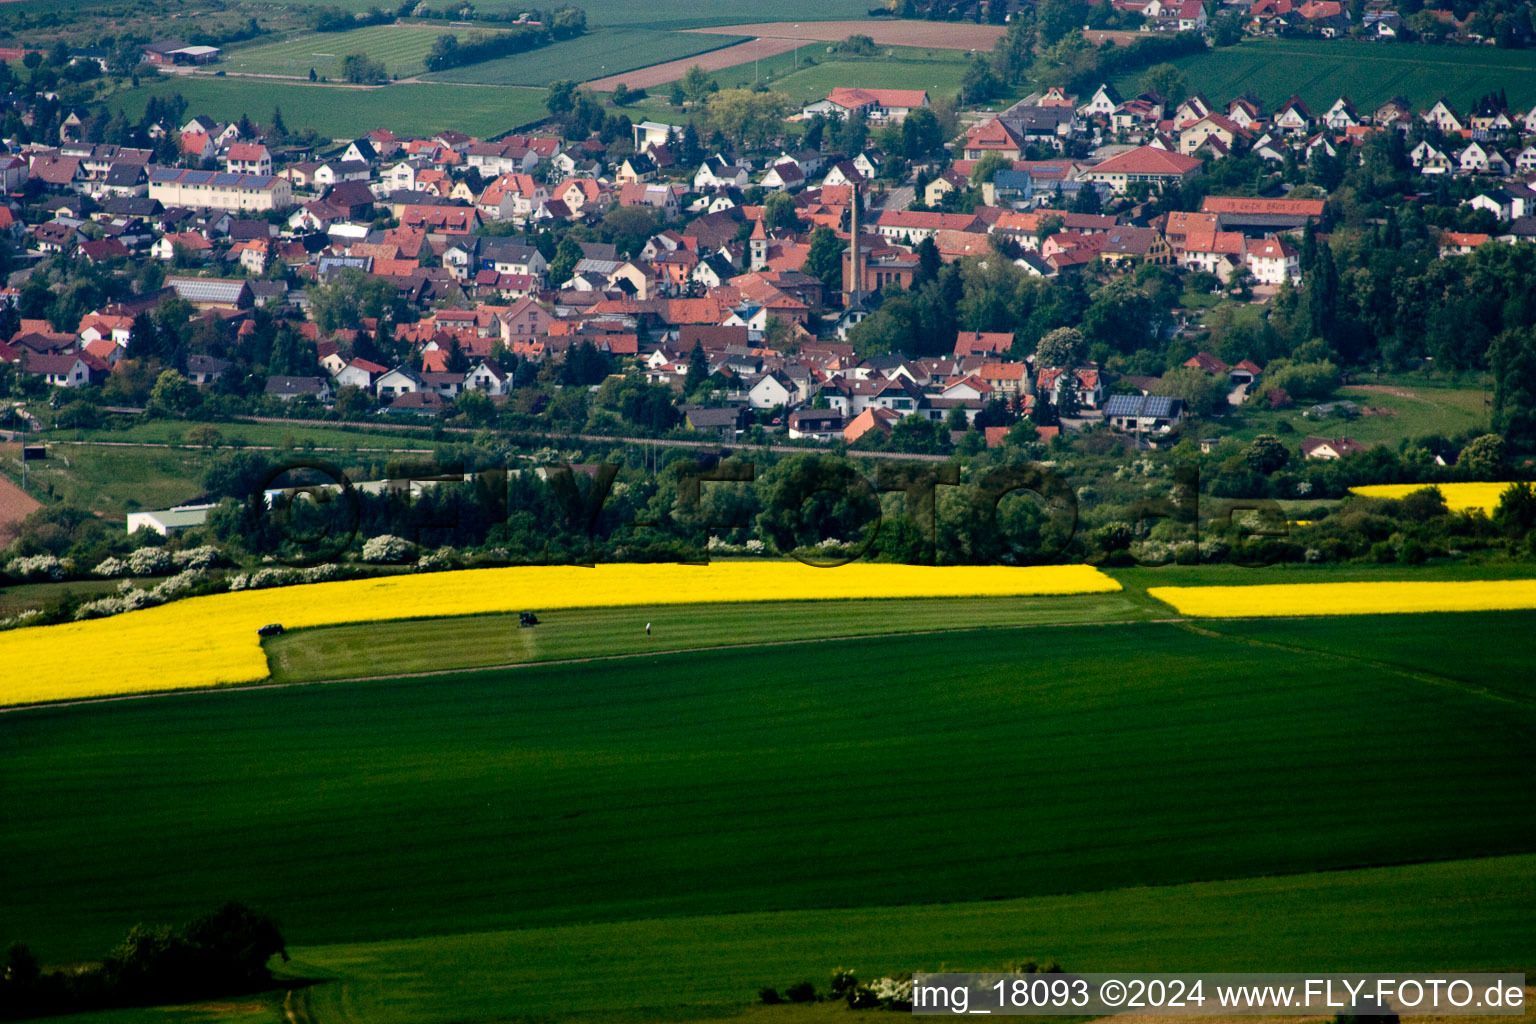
(878, 105)
(1144, 165)
(248, 158)
(996, 136)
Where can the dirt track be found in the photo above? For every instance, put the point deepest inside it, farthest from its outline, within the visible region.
(714, 60)
(938, 35)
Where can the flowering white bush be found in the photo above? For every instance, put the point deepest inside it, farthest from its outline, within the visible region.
(20, 618)
(385, 548)
(755, 546)
(150, 562)
(37, 567)
(442, 558)
(111, 567)
(178, 584)
(319, 573)
(196, 558)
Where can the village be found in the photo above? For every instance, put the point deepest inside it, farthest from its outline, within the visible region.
(736, 280)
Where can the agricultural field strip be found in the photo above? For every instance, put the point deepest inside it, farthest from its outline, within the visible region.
(1292, 600)
(1458, 497)
(217, 641)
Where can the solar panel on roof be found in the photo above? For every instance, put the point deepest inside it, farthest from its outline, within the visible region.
(197, 177)
(224, 178)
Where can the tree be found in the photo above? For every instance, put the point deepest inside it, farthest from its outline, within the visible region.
(928, 261)
(852, 133)
(1167, 80)
(1266, 454)
(360, 69)
(568, 22)
(1200, 391)
(698, 370)
(561, 99)
(1087, 200)
(1483, 458)
(1064, 347)
(824, 260)
(920, 134)
(696, 84)
(1512, 357)
(979, 83)
(780, 213)
(567, 254)
(985, 169)
(1057, 18)
(172, 394)
(748, 119)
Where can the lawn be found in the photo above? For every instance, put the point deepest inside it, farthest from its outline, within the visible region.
(983, 765)
(402, 49)
(112, 481)
(1370, 73)
(603, 51)
(343, 112)
(938, 71)
(1394, 412)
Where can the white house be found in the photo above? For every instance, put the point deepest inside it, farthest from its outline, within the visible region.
(1273, 261)
(402, 380)
(769, 392)
(487, 378)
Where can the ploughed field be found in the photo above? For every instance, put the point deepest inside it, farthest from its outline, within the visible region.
(817, 776)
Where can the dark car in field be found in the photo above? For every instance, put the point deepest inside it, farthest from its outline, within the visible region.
(271, 629)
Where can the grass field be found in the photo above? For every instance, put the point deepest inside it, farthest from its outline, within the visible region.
(1394, 412)
(1370, 73)
(938, 71)
(779, 778)
(603, 51)
(340, 112)
(402, 49)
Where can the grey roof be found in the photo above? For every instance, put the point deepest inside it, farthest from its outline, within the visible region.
(207, 364)
(701, 417)
(1143, 406)
(295, 385)
(204, 289)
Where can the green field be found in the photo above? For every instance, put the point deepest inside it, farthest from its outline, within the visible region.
(938, 71)
(343, 112)
(990, 764)
(401, 48)
(603, 51)
(1401, 411)
(1369, 73)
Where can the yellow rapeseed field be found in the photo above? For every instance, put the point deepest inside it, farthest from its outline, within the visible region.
(1377, 598)
(207, 641)
(1458, 497)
